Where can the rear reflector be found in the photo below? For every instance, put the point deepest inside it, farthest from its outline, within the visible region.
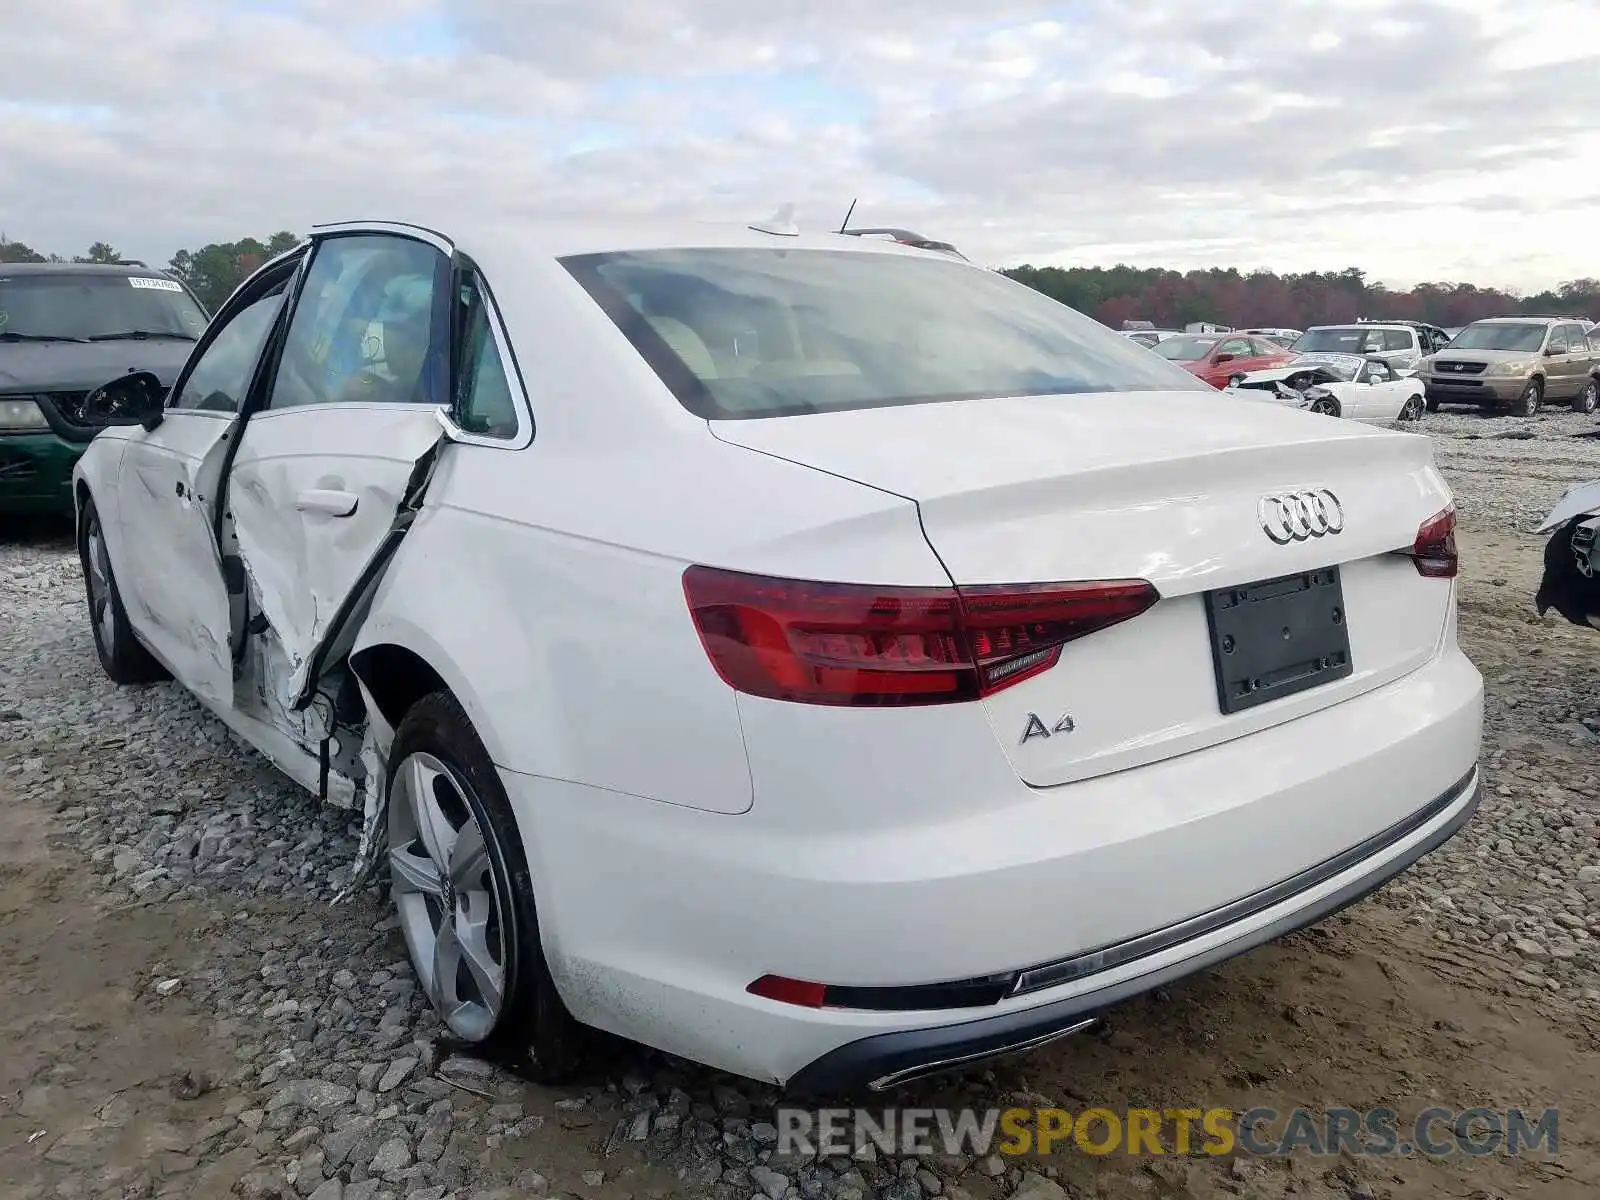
(865, 644)
(962, 993)
(1434, 551)
(789, 991)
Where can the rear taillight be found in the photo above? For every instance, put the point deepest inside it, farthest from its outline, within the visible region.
(863, 644)
(1434, 551)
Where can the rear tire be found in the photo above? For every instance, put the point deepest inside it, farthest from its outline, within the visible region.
(1588, 399)
(462, 889)
(1412, 410)
(122, 657)
(1531, 401)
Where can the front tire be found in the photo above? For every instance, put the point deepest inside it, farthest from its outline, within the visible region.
(464, 896)
(1588, 399)
(1531, 401)
(124, 660)
(1327, 408)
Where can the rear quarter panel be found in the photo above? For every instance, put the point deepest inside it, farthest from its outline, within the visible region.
(546, 587)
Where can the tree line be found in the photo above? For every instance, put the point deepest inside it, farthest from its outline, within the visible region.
(211, 272)
(1264, 299)
(1169, 299)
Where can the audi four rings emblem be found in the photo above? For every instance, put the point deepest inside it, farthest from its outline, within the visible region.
(1299, 516)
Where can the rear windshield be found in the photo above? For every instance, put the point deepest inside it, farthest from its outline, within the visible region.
(76, 305)
(1345, 339)
(764, 333)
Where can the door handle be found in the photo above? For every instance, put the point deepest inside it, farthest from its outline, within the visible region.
(328, 503)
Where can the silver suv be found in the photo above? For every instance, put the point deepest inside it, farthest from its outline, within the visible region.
(1401, 344)
(1516, 363)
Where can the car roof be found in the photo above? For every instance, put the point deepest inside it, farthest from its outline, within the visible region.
(1363, 325)
(489, 241)
(14, 270)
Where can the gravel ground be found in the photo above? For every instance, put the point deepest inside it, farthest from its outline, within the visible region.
(189, 1016)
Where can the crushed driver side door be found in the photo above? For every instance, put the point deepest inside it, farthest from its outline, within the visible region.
(332, 463)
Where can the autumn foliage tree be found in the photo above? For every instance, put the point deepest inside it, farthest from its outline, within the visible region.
(1172, 299)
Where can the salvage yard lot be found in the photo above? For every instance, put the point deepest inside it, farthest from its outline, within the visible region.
(187, 1017)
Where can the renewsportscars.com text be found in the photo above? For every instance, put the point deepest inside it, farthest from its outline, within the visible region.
(1260, 1132)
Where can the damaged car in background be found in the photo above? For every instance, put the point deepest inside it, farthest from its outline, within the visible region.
(1571, 580)
(66, 328)
(691, 610)
(1338, 385)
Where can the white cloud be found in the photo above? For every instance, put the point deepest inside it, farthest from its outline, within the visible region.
(1437, 139)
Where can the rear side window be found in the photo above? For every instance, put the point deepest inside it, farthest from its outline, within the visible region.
(761, 333)
(364, 329)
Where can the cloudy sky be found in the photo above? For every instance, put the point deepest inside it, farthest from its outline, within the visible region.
(1430, 139)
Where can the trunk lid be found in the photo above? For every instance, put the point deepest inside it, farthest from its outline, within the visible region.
(1157, 486)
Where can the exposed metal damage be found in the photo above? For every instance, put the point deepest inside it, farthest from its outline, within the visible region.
(274, 651)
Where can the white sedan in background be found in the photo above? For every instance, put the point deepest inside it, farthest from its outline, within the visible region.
(823, 659)
(1338, 385)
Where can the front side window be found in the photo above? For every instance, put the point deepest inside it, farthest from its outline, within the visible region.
(365, 328)
(91, 306)
(759, 333)
(221, 378)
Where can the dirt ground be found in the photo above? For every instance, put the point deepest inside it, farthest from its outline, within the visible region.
(111, 1088)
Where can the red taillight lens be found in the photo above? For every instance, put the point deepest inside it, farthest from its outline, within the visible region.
(789, 991)
(1434, 551)
(861, 644)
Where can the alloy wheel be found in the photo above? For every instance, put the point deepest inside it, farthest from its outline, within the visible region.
(442, 877)
(98, 565)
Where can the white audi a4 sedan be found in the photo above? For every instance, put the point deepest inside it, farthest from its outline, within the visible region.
(819, 658)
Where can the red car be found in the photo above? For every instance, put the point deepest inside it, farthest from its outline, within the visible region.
(1218, 357)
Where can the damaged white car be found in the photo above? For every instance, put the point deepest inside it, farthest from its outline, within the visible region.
(816, 657)
(1338, 385)
(1571, 580)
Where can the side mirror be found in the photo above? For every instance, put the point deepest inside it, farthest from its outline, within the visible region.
(1552, 351)
(138, 397)
(1222, 358)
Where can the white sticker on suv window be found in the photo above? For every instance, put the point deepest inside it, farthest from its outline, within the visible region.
(160, 285)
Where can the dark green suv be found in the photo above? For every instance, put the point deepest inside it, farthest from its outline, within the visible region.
(66, 328)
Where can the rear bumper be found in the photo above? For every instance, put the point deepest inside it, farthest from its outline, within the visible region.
(886, 1060)
(932, 862)
(36, 473)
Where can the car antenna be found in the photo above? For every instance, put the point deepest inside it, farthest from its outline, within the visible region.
(849, 212)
